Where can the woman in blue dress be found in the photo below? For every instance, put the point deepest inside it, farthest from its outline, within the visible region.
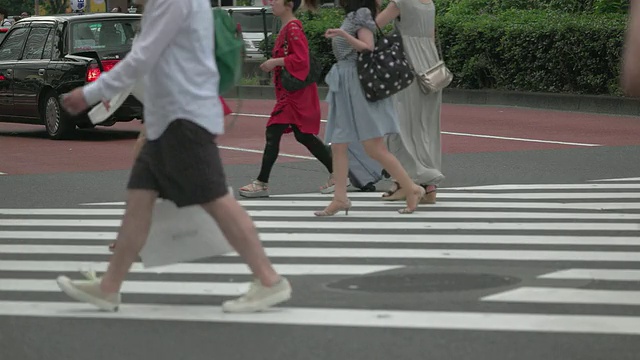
(351, 116)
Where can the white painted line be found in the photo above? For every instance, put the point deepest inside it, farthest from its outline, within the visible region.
(366, 238)
(392, 205)
(358, 214)
(481, 195)
(518, 139)
(594, 274)
(74, 212)
(620, 179)
(114, 203)
(566, 296)
(137, 287)
(417, 320)
(261, 151)
(367, 253)
(1, 173)
(371, 225)
(548, 187)
(463, 134)
(198, 268)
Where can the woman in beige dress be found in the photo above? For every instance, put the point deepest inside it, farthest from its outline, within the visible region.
(417, 146)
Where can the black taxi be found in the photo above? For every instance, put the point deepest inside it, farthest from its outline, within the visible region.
(42, 57)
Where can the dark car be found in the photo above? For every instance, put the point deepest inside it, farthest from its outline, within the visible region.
(42, 57)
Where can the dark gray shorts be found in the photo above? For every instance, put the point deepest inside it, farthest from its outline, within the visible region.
(183, 165)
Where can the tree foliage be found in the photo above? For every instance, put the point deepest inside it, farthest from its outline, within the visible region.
(54, 6)
(16, 7)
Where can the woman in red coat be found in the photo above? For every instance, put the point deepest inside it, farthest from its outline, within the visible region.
(295, 111)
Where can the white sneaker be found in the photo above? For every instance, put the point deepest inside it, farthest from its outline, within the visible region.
(89, 291)
(259, 297)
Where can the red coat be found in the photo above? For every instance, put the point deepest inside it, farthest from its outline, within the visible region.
(301, 107)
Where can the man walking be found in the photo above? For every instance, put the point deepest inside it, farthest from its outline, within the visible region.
(180, 161)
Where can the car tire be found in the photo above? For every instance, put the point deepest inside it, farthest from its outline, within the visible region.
(57, 122)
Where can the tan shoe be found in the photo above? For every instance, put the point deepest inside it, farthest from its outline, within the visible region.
(259, 297)
(89, 291)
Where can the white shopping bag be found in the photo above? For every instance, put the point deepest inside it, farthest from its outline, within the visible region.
(181, 235)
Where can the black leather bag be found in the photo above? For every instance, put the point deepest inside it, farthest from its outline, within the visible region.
(291, 83)
(385, 70)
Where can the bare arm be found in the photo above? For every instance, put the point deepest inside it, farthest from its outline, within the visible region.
(630, 78)
(364, 41)
(390, 12)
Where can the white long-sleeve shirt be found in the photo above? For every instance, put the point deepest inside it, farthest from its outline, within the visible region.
(175, 60)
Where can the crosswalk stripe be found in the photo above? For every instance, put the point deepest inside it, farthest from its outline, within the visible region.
(390, 206)
(594, 274)
(478, 321)
(597, 186)
(357, 214)
(369, 253)
(619, 179)
(333, 225)
(194, 268)
(510, 195)
(137, 287)
(552, 295)
(364, 238)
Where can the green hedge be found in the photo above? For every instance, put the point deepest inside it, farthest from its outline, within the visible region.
(536, 50)
(471, 7)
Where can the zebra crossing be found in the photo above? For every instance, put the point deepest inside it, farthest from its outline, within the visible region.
(587, 233)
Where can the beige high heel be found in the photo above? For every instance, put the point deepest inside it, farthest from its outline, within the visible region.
(419, 195)
(343, 206)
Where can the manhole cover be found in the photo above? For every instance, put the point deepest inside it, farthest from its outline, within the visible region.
(435, 282)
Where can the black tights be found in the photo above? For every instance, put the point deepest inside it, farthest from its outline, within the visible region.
(272, 148)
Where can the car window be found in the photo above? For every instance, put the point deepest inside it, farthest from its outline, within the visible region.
(35, 44)
(252, 21)
(11, 48)
(103, 36)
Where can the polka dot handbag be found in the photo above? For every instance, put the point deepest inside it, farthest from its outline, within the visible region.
(385, 70)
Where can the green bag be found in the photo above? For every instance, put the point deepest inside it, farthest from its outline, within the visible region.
(229, 47)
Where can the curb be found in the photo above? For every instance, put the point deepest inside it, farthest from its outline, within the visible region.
(597, 104)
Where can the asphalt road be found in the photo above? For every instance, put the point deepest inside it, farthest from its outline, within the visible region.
(507, 272)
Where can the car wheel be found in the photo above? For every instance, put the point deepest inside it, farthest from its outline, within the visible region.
(56, 121)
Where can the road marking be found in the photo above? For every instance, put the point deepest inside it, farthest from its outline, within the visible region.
(548, 187)
(261, 151)
(466, 134)
(359, 214)
(1, 173)
(621, 179)
(447, 204)
(594, 274)
(357, 225)
(518, 139)
(187, 288)
(364, 238)
(367, 253)
(482, 195)
(417, 320)
(194, 268)
(550, 295)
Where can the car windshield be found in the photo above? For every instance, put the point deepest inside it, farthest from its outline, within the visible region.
(106, 37)
(252, 21)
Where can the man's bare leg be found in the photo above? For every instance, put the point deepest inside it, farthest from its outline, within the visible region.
(238, 228)
(132, 236)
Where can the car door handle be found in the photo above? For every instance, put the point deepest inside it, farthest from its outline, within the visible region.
(41, 72)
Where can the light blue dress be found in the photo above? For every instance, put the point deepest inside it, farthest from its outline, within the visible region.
(351, 117)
